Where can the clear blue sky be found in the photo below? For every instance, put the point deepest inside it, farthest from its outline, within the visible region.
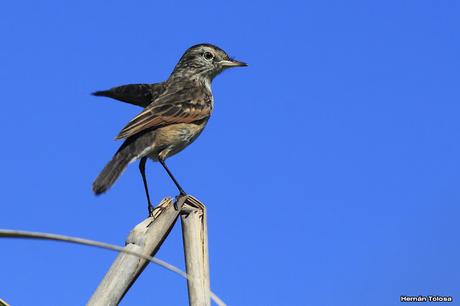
(330, 167)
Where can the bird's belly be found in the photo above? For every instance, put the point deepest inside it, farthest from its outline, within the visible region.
(172, 139)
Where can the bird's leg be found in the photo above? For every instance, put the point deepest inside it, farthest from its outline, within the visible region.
(144, 179)
(162, 162)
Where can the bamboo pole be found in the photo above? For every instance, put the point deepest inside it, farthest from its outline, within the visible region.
(195, 238)
(146, 238)
(9, 233)
(143, 242)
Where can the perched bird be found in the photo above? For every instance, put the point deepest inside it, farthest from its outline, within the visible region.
(176, 112)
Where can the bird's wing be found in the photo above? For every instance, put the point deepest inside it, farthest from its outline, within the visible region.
(137, 94)
(182, 106)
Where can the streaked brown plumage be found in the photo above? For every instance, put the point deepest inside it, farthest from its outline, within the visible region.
(176, 112)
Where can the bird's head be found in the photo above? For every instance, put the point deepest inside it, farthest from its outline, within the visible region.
(204, 60)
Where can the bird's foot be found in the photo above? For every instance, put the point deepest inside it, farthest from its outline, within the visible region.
(178, 197)
(150, 209)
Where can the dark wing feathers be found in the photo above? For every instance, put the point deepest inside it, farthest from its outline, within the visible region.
(162, 106)
(137, 94)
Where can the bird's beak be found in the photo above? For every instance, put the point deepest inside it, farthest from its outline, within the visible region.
(232, 63)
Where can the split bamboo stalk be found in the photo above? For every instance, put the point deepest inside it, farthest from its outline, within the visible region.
(8, 233)
(146, 238)
(195, 238)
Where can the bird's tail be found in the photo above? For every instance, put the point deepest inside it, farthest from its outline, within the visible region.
(112, 170)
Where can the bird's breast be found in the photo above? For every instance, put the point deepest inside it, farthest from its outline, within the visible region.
(174, 138)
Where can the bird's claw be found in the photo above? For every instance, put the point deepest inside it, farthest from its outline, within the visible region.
(151, 209)
(180, 195)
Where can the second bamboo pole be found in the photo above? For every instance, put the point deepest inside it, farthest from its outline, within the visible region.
(195, 238)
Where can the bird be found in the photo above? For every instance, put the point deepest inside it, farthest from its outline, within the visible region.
(175, 113)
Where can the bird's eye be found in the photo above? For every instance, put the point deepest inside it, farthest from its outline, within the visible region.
(208, 56)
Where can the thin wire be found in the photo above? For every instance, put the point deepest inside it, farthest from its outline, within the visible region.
(5, 233)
